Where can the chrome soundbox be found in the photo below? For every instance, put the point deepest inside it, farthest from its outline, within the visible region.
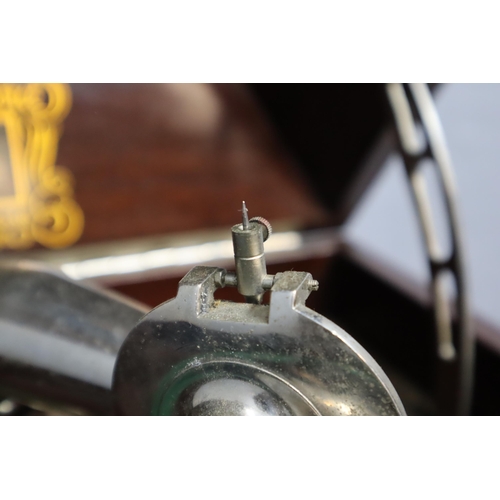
(196, 355)
(67, 345)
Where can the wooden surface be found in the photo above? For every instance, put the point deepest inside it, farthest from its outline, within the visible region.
(160, 158)
(334, 132)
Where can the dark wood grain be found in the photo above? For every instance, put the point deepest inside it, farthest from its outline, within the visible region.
(160, 158)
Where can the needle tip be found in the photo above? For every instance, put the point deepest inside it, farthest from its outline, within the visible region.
(245, 215)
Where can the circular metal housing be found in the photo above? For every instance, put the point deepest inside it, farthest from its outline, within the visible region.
(195, 355)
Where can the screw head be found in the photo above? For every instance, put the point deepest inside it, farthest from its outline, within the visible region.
(268, 229)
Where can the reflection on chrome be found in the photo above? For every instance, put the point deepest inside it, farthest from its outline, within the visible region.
(211, 253)
(344, 409)
(236, 397)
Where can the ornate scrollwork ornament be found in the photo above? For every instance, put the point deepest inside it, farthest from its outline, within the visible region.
(37, 202)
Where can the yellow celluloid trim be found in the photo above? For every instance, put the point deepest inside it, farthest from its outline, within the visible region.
(42, 209)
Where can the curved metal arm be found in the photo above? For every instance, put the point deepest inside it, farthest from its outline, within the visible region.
(410, 105)
(58, 339)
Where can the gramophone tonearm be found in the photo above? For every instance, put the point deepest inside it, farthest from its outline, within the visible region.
(196, 355)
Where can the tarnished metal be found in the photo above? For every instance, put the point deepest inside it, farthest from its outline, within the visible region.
(196, 355)
(268, 229)
(60, 343)
(413, 106)
(249, 259)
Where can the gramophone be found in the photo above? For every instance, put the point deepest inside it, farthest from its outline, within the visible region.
(258, 351)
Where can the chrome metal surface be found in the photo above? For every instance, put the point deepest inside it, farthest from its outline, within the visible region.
(59, 339)
(412, 107)
(249, 259)
(196, 355)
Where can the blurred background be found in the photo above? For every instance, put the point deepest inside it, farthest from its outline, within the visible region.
(128, 186)
(385, 222)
